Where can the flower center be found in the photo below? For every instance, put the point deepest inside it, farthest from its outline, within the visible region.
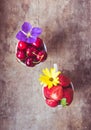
(51, 79)
(28, 34)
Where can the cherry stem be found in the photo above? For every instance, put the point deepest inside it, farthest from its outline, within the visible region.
(38, 61)
(34, 53)
(35, 61)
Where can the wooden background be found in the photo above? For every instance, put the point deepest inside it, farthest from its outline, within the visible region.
(66, 28)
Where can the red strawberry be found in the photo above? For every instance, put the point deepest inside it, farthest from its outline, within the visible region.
(46, 91)
(64, 81)
(56, 93)
(51, 102)
(68, 95)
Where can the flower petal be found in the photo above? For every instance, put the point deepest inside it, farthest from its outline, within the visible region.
(46, 72)
(26, 27)
(43, 79)
(21, 36)
(52, 71)
(31, 39)
(55, 81)
(56, 74)
(36, 31)
(50, 85)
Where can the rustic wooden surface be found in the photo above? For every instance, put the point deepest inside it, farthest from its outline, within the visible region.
(66, 28)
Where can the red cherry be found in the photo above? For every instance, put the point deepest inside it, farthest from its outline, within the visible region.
(31, 52)
(51, 102)
(22, 45)
(42, 56)
(21, 55)
(29, 62)
(56, 93)
(39, 43)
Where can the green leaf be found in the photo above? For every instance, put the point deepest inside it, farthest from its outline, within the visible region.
(63, 102)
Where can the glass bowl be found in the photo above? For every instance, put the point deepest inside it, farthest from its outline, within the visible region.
(59, 105)
(32, 55)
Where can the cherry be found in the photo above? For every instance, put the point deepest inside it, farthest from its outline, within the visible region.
(21, 55)
(42, 56)
(31, 52)
(29, 62)
(38, 44)
(22, 45)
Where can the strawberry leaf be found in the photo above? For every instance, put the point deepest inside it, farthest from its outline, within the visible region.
(63, 102)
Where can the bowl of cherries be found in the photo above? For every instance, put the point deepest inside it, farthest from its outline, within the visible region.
(30, 50)
(31, 54)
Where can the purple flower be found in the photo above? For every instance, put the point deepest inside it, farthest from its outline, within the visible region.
(28, 33)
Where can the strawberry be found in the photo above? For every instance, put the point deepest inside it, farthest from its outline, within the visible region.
(56, 93)
(67, 95)
(47, 92)
(64, 81)
(51, 102)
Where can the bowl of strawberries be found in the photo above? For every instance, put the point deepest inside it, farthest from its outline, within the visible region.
(57, 88)
(30, 50)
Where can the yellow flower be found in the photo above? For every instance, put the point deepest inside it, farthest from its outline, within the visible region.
(49, 77)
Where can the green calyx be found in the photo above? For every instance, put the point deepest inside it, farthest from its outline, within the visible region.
(63, 102)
